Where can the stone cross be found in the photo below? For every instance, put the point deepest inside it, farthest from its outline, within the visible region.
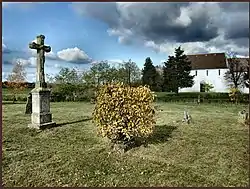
(41, 116)
(41, 49)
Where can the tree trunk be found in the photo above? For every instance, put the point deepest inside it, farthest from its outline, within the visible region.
(176, 90)
(14, 99)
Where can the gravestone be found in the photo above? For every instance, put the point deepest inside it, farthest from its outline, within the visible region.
(186, 117)
(41, 116)
(243, 117)
(29, 104)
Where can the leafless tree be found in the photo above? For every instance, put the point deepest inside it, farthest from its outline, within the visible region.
(16, 80)
(235, 75)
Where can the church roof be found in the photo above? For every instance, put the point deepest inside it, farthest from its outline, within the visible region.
(208, 61)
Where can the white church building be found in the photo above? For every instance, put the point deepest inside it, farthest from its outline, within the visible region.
(211, 68)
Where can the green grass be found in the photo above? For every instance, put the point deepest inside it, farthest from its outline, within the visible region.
(212, 151)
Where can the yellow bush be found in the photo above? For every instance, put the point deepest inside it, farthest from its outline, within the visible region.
(122, 113)
(234, 94)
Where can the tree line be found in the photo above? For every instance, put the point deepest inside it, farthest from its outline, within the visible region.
(174, 74)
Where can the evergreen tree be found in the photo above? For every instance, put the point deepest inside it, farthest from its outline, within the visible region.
(169, 76)
(177, 72)
(149, 74)
(159, 79)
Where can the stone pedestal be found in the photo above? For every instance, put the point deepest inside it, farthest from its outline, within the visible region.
(41, 117)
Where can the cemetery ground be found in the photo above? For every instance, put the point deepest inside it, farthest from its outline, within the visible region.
(211, 151)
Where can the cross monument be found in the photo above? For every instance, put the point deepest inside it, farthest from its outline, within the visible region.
(41, 116)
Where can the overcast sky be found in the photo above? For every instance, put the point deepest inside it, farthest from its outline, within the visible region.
(84, 33)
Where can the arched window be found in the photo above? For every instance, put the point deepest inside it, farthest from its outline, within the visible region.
(202, 86)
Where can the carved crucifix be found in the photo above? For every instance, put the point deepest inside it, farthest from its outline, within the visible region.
(41, 49)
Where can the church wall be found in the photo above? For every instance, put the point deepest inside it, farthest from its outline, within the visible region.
(212, 76)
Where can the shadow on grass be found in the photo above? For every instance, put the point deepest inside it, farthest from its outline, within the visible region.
(161, 134)
(72, 122)
(11, 103)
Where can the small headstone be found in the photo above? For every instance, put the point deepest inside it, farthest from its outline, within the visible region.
(92, 100)
(243, 116)
(199, 99)
(158, 108)
(29, 104)
(75, 96)
(187, 117)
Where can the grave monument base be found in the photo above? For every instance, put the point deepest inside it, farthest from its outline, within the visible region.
(41, 117)
(42, 126)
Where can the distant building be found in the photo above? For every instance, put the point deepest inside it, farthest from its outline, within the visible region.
(211, 68)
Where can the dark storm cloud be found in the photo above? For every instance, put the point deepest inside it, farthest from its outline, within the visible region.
(236, 33)
(155, 21)
(237, 20)
(238, 26)
(234, 7)
(159, 22)
(242, 42)
(106, 12)
(174, 22)
(198, 30)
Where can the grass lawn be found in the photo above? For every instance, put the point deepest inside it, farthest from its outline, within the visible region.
(212, 151)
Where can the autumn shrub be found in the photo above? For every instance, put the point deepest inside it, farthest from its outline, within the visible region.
(234, 94)
(16, 88)
(124, 113)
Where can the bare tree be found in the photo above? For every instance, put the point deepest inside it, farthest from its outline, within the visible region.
(235, 75)
(16, 81)
(246, 75)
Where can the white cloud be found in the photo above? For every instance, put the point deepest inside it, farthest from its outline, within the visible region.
(124, 35)
(58, 66)
(4, 74)
(4, 47)
(30, 62)
(51, 55)
(31, 77)
(75, 55)
(199, 47)
(240, 56)
(115, 61)
(184, 18)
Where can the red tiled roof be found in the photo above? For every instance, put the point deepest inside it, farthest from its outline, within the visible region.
(208, 61)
